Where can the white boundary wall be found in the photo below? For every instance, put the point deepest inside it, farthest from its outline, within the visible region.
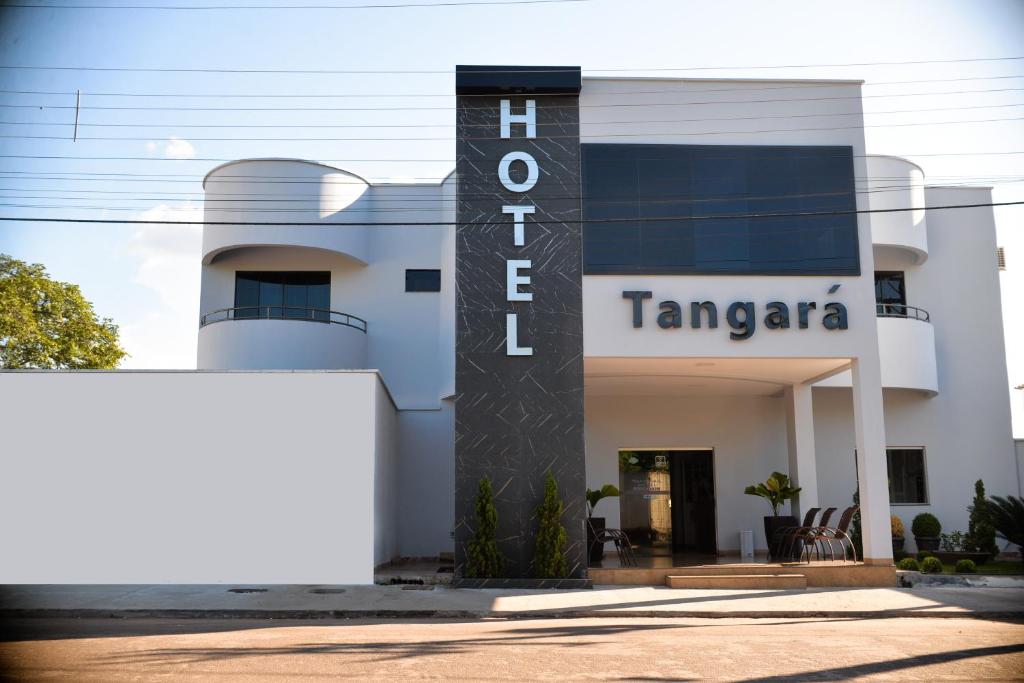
(196, 477)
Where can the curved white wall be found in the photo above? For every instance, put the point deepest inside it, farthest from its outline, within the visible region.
(907, 353)
(897, 183)
(280, 345)
(283, 190)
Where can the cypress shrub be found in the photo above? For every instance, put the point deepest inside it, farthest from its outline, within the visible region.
(981, 532)
(484, 560)
(549, 553)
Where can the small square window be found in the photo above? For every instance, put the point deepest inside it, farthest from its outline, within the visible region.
(908, 482)
(422, 280)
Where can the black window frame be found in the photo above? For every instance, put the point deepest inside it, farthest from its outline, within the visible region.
(925, 498)
(299, 281)
(422, 279)
(887, 303)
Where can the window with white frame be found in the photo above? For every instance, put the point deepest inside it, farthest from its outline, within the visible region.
(908, 484)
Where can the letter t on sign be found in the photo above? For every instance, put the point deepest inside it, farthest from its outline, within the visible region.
(518, 215)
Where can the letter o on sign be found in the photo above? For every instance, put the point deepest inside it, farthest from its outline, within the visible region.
(532, 174)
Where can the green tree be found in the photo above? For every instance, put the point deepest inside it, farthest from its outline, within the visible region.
(549, 553)
(49, 324)
(981, 532)
(484, 560)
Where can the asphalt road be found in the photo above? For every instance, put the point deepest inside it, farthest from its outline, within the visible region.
(612, 649)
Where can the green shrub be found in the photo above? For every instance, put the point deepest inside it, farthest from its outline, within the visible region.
(926, 525)
(484, 560)
(981, 531)
(931, 565)
(549, 553)
(899, 555)
(965, 566)
(923, 554)
(909, 564)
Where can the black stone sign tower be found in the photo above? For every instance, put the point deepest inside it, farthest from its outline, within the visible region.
(518, 279)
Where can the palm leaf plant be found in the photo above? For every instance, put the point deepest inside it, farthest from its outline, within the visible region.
(777, 489)
(1007, 515)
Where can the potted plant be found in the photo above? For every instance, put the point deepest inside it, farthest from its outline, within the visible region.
(926, 530)
(898, 533)
(777, 489)
(597, 523)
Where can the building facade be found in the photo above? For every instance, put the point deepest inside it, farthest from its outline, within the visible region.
(676, 286)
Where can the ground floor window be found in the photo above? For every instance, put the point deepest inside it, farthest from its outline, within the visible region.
(906, 476)
(907, 481)
(283, 294)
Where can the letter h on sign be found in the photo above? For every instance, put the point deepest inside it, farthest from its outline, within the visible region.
(519, 211)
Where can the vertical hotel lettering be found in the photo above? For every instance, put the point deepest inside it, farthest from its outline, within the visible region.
(518, 305)
(515, 267)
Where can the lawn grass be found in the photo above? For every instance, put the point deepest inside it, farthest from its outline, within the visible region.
(997, 567)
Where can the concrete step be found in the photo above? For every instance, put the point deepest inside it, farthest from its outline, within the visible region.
(737, 581)
(734, 569)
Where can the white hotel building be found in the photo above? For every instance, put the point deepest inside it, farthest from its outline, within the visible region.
(335, 422)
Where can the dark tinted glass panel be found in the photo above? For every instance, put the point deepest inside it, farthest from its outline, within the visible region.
(423, 280)
(906, 476)
(247, 296)
(890, 293)
(688, 209)
(279, 294)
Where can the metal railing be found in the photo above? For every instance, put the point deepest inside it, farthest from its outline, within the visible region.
(902, 311)
(313, 315)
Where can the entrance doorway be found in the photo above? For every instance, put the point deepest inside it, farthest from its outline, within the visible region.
(667, 502)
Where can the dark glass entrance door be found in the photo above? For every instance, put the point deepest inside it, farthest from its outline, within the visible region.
(667, 503)
(693, 502)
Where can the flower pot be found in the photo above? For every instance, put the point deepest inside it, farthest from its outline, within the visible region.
(773, 525)
(596, 549)
(927, 542)
(897, 544)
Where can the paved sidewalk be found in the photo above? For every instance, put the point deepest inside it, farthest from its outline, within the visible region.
(313, 602)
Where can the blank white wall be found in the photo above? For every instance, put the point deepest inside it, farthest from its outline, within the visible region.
(191, 477)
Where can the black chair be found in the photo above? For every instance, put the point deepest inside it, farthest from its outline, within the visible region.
(623, 548)
(787, 534)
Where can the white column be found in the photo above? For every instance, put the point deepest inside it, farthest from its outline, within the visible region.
(800, 433)
(872, 470)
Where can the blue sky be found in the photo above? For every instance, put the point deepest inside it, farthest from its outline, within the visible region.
(146, 278)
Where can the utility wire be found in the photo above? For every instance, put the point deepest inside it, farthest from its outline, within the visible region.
(540, 124)
(857, 97)
(590, 136)
(796, 86)
(798, 214)
(452, 3)
(500, 70)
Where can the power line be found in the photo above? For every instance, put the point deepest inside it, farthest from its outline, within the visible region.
(857, 97)
(798, 86)
(590, 136)
(540, 125)
(299, 7)
(37, 219)
(496, 70)
(450, 160)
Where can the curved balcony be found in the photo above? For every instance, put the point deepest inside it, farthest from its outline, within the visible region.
(906, 349)
(897, 183)
(285, 191)
(281, 338)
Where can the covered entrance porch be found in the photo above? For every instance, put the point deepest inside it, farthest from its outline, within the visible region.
(682, 437)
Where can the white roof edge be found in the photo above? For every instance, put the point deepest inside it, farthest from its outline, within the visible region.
(958, 187)
(681, 79)
(289, 159)
(893, 156)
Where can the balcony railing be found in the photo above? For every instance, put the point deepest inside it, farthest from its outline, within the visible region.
(313, 315)
(902, 311)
